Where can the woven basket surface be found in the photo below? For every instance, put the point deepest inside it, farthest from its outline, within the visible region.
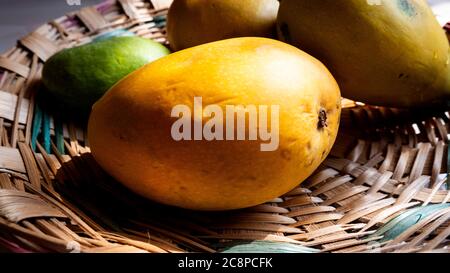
(383, 188)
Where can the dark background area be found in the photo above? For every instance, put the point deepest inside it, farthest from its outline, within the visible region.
(19, 17)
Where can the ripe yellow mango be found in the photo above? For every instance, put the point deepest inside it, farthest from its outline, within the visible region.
(382, 52)
(195, 22)
(131, 127)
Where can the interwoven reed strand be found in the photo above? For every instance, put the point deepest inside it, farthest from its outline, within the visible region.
(384, 163)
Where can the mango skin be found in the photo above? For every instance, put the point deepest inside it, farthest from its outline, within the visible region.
(76, 78)
(394, 54)
(195, 22)
(129, 129)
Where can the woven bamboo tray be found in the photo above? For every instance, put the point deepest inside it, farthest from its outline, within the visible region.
(384, 187)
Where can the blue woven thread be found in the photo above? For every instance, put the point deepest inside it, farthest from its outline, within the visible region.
(46, 132)
(37, 122)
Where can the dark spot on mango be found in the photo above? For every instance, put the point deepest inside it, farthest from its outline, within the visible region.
(322, 119)
(286, 154)
(407, 7)
(122, 137)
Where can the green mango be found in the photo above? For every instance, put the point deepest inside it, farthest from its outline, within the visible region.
(76, 78)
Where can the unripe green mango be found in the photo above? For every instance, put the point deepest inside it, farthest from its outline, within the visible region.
(77, 77)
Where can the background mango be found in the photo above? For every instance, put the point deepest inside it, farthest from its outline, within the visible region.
(195, 22)
(389, 53)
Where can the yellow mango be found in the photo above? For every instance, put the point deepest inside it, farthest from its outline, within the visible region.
(381, 52)
(131, 127)
(194, 22)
